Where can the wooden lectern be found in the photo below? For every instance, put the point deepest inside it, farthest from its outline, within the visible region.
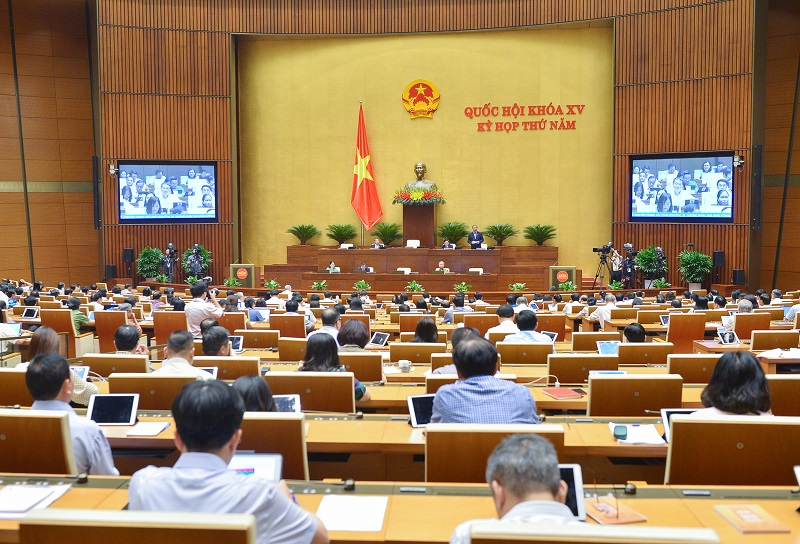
(419, 223)
(245, 273)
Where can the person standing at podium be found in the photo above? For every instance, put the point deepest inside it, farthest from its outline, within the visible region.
(475, 238)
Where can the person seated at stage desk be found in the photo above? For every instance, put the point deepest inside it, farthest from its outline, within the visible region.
(527, 322)
(364, 268)
(420, 183)
(208, 419)
(458, 306)
(322, 355)
(332, 268)
(478, 396)
(376, 244)
(442, 268)
(448, 245)
(526, 485)
(737, 386)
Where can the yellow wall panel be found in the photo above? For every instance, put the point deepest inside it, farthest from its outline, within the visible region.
(298, 102)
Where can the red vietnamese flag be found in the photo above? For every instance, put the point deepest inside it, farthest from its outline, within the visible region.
(365, 195)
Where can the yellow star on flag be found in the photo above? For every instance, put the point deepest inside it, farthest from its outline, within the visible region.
(361, 169)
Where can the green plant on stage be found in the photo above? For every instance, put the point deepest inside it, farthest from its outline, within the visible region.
(453, 231)
(539, 233)
(162, 278)
(148, 265)
(231, 282)
(461, 287)
(414, 287)
(204, 253)
(567, 286)
(191, 280)
(361, 285)
(272, 284)
(517, 287)
(304, 233)
(320, 285)
(387, 232)
(649, 264)
(694, 266)
(616, 285)
(660, 283)
(499, 232)
(341, 233)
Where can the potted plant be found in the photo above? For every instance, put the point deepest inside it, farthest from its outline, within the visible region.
(539, 233)
(453, 231)
(414, 287)
(461, 287)
(304, 233)
(148, 265)
(387, 233)
(272, 284)
(191, 280)
(616, 285)
(361, 285)
(567, 286)
(499, 232)
(231, 282)
(320, 285)
(162, 278)
(651, 264)
(660, 283)
(517, 287)
(694, 266)
(341, 233)
(204, 253)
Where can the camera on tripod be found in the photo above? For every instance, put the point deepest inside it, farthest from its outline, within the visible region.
(606, 249)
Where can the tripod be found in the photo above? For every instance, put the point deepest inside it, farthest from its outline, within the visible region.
(602, 267)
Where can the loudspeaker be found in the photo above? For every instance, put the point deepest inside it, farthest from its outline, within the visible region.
(738, 276)
(719, 258)
(127, 254)
(111, 271)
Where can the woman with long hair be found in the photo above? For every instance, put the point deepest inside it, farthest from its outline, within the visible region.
(322, 355)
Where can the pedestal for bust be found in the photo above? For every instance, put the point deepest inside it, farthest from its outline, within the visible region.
(419, 223)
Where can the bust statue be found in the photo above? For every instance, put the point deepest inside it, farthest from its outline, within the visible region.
(420, 182)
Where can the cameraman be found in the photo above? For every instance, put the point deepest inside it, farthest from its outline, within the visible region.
(203, 305)
(616, 265)
(195, 261)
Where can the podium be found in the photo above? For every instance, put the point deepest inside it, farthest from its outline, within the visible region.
(419, 223)
(245, 273)
(560, 274)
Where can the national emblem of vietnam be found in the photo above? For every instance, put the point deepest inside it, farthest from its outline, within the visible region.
(421, 98)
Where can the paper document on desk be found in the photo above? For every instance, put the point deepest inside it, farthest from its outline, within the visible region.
(349, 513)
(148, 428)
(779, 353)
(16, 500)
(390, 369)
(639, 434)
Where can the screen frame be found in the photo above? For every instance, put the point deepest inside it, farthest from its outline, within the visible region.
(125, 164)
(723, 153)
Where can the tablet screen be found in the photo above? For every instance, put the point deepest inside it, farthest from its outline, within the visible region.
(573, 477)
(236, 344)
(420, 407)
(30, 313)
(113, 409)
(267, 465)
(379, 338)
(287, 403)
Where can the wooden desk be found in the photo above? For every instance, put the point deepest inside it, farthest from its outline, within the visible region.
(715, 346)
(771, 365)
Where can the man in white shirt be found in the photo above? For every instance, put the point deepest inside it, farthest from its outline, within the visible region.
(527, 321)
(526, 485)
(208, 418)
(522, 304)
(458, 306)
(49, 382)
(331, 322)
(204, 304)
(178, 356)
(479, 300)
(274, 300)
(777, 299)
(603, 313)
(505, 314)
(292, 308)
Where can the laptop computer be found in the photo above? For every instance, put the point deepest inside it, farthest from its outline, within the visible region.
(667, 413)
(728, 337)
(237, 343)
(266, 465)
(733, 312)
(287, 403)
(420, 407)
(81, 371)
(786, 312)
(664, 320)
(726, 320)
(211, 370)
(608, 347)
(113, 408)
(551, 335)
(264, 313)
(573, 476)
(31, 312)
(379, 339)
(16, 328)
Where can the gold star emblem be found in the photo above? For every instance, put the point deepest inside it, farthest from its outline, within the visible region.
(360, 169)
(421, 90)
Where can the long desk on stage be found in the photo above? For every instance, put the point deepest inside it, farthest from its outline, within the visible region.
(433, 283)
(431, 512)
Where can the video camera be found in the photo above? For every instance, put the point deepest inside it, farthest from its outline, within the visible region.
(606, 249)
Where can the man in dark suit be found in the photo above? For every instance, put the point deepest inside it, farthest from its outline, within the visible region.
(448, 245)
(475, 238)
(376, 244)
